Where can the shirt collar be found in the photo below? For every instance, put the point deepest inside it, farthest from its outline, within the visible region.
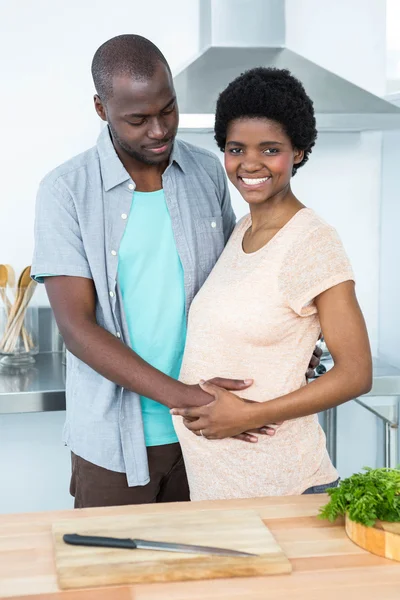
(112, 169)
(178, 156)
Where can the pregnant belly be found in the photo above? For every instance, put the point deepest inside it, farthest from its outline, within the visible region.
(230, 468)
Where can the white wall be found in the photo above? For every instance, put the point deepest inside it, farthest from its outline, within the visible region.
(348, 37)
(392, 46)
(341, 181)
(46, 48)
(389, 325)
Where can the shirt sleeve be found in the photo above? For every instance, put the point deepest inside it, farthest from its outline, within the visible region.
(228, 215)
(313, 264)
(59, 248)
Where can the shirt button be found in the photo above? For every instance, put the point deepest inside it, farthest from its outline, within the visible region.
(131, 186)
(213, 224)
(112, 294)
(124, 216)
(118, 334)
(113, 253)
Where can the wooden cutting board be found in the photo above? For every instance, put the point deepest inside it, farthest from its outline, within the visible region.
(79, 566)
(383, 539)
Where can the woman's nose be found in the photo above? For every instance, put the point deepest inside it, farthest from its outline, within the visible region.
(250, 165)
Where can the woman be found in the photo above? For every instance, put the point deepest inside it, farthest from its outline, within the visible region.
(283, 277)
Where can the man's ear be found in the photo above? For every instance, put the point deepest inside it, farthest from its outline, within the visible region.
(99, 107)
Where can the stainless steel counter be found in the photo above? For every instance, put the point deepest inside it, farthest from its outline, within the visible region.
(386, 382)
(35, 388)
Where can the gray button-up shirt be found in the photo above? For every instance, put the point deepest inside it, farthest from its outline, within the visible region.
(81, 214)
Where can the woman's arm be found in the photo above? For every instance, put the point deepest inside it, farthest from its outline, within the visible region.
(345, 333)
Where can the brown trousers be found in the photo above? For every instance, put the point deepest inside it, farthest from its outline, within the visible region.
(95, 486)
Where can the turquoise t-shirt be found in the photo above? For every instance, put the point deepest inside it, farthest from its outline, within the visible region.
(150, 276)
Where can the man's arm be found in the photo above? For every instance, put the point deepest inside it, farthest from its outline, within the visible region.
(73, 300)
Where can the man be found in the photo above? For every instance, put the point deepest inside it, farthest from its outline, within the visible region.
(126, 233)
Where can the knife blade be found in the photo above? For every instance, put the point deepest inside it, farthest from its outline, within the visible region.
(133, 544)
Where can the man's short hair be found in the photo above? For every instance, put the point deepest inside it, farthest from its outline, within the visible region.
(128, 55)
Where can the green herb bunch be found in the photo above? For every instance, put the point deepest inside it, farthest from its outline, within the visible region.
(366, 497)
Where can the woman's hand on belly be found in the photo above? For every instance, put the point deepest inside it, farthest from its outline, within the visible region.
(226, 416)
(247, 436)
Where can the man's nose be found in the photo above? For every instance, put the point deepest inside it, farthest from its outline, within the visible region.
(157, 130)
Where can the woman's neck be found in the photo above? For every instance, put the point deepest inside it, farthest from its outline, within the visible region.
(274, 213)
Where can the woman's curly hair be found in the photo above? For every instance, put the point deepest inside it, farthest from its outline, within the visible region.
(270, 94)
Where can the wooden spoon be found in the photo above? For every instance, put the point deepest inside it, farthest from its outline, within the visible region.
(11, 277)
(11, 284)
(18, 321)
(7, 278)
(3, 285)
(3, 275)
(23, 282)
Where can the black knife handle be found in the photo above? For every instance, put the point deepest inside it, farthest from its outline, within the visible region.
(94, 540)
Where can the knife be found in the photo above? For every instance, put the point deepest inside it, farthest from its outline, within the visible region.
(130, 544)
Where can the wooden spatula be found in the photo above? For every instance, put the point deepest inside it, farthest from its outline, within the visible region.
(23, 282)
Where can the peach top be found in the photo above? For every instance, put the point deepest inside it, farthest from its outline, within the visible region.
(255, 318)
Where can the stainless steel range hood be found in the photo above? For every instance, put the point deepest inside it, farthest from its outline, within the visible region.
(339, 104)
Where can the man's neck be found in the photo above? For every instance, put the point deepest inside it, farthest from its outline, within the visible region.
(148, 178)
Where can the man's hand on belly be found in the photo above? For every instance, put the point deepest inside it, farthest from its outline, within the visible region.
(196, 396)
(225, 416)
(314, 362)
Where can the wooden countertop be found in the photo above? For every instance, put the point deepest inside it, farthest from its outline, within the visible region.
(326, 564)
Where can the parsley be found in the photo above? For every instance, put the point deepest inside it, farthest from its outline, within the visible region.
(366, 497)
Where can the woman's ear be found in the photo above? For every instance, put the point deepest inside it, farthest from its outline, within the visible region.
(298, 156)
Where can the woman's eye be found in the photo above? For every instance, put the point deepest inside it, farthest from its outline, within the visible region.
(271, 151)
(235, 150)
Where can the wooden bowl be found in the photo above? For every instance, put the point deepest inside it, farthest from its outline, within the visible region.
(383, 539)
